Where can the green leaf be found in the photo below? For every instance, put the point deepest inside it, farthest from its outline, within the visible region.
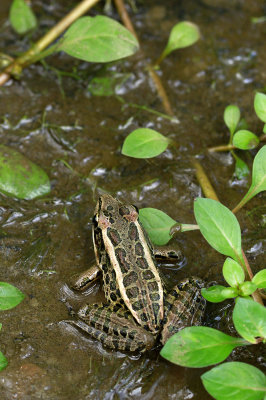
(235, 381)
(229, 292)
(260, 279)
(98, 39)
(10, 296)
(157, 224)
(182, 35)
(233, 272)
(247, 288)
(144, 143)
(107, 85)
(260, 106)
(199, 346)
(259, 172)
(258, 177)
(249, 319)
(21, 17)
(241, 168)
(3, 361)
(216, 293)
(245, 140)
(19, 177)
(219, 227)
(231, 117)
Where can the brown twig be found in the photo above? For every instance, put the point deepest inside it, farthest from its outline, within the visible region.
(160, 90)
(223, 147)
(125, 17)
(204, 181)
(46, 40)
(156, 79)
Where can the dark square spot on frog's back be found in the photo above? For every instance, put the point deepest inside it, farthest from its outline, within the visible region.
(147, 275)
(144, 317)
(113, 297)
(154, 296)
(142, 263)
(113, 236)
(124, 211)
(130, 278)
(132, 292)
(137, 306)
(156, 308)
(133, 232)
(139, 250)
(153, 287)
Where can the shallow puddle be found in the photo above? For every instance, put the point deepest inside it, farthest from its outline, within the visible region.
(53, 119)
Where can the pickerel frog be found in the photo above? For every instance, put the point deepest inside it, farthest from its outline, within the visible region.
(138, 310)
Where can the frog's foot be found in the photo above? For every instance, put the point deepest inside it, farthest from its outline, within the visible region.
(83, 280)
(184, 306)
(114, 327)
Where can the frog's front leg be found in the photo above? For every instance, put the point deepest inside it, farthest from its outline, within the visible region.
(184, 306)
(82, 280)
(114, 327)
(168, 253)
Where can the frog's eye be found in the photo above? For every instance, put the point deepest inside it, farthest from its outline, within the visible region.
(95, 219)
(136, 208)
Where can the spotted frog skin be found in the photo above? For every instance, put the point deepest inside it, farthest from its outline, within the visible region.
(138, 310)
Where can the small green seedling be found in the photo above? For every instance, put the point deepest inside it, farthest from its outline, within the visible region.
(144, 143)
(182, 35)
(243, 139)
(21, 17)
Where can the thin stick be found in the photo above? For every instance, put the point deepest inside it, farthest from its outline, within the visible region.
(156, 79)
(204, 181)
(125, 17)
(223, 147)
(47, 39)
(161, 91)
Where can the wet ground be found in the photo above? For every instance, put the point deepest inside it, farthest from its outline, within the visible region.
(76, 138)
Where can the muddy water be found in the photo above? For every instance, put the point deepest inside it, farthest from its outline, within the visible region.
(76, 138)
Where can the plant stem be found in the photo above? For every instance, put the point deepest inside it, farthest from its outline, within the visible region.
(256, 295)
(160, 59)
(204, 181)
(209, 192)
(125, 17)
(161, 91)
(239, 205)
(223, 147)
(179, 228)
(145, 108)
(46, 40)
(157, 81)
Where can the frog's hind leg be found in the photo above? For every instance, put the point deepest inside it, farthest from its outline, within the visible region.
(114, 327)
(184, 306)
(83, 280)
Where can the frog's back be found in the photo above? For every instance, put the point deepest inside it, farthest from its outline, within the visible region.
(130, 272)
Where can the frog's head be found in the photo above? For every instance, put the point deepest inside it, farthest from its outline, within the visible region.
(109, 210)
